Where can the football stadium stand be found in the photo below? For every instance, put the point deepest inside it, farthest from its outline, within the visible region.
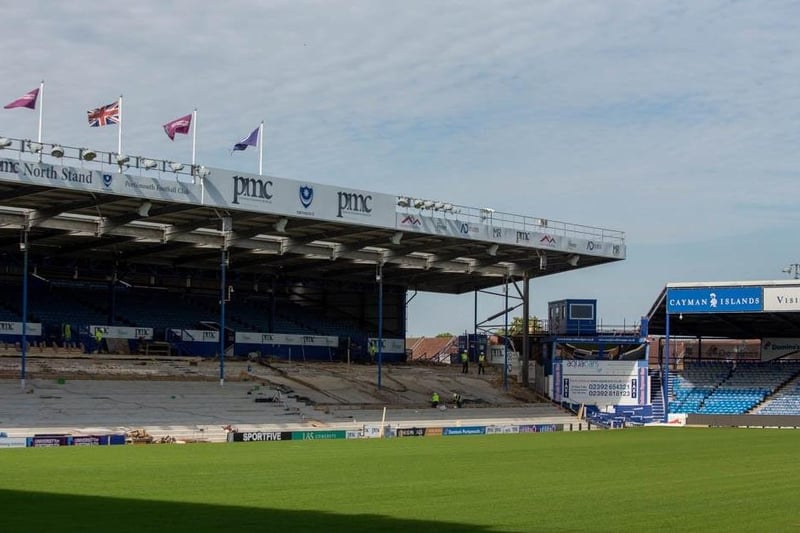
(728, 388)
(786, 401)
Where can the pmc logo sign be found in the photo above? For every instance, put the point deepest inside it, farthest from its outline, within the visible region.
(411, 220)
(257, 189)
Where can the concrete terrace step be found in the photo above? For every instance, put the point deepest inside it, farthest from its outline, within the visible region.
(183, 398)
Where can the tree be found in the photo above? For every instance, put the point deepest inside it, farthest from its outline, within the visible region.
(515, 326)
(443, 335)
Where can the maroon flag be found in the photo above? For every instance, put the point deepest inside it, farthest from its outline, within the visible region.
(179, 125)
(28, 100)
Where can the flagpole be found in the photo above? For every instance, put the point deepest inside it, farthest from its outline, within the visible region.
(119, 139)
(41, 107)
(261, 149)
(194, 133)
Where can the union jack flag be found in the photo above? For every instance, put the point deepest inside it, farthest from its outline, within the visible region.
(103, 116)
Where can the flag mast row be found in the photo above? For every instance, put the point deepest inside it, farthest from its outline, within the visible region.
(112, 114)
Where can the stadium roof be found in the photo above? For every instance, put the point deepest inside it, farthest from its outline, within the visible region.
(112, 213)
(776, 321)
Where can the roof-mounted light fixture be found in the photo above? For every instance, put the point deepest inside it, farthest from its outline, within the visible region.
(5, 142)
(34, 147)
(149, 164)
(88, 154)
(176, 167)
(57, 151)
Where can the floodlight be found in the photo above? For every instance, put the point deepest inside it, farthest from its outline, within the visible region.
(794, 268)
(88, 154)
(419, 204)
(402, 201)
(149, 164)
(573, 259)
(122, 159)
(57, 151)
(5, 142)
(176, 167)
(428, 204)
(448, 208)
(34, 147)
(203, 172)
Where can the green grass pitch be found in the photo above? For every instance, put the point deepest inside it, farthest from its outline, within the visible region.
(649, 479)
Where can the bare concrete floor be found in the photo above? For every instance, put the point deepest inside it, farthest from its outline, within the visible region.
(183, 397)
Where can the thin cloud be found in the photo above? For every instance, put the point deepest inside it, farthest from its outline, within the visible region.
(673, 121)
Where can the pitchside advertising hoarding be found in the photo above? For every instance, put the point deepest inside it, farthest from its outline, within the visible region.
(13, 442)
(601, 383)
(715, 299)
(272, 436)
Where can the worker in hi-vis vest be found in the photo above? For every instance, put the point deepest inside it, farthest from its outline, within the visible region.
(435, 399)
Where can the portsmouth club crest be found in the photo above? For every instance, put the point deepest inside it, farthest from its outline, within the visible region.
(306, 196)
(107, 180)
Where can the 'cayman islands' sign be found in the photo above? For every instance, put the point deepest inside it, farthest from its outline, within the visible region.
(714, 299)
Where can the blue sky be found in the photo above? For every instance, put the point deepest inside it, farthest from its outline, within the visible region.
(675, 122)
